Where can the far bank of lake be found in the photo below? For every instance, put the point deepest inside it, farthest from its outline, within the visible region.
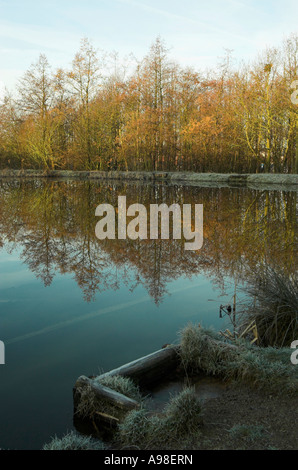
(252, 181)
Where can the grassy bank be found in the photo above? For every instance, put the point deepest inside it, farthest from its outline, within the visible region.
(188, 178)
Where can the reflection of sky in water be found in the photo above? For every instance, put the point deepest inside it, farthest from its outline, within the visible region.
(52, 336)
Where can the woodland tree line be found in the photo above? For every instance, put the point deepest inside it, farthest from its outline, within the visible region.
(159, 116)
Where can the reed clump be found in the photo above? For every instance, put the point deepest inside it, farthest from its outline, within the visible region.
(273, 304)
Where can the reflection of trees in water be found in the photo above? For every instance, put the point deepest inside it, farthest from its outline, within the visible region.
(55, 222)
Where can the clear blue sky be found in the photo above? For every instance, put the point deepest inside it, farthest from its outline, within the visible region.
(197, 31)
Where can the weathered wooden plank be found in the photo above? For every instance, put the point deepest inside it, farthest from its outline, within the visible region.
(149, 369)
(105, 393)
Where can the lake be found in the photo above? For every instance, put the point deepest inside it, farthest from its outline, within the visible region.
(72, 305)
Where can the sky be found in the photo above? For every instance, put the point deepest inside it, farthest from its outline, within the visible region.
(197, 32)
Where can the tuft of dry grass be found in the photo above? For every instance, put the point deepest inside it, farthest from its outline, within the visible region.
(73, 441)
(120, 384)
(180, 421)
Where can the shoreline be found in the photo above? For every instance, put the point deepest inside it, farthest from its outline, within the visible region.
(252, 181)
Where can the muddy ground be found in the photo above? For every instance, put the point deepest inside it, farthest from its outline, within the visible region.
(237, 417)
(245, 418)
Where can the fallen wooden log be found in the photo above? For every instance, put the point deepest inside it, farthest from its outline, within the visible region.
(92, 400)
(97, 402)
(150, 369)
(105, 393)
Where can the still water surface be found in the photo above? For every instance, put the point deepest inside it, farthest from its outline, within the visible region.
(72, 305)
